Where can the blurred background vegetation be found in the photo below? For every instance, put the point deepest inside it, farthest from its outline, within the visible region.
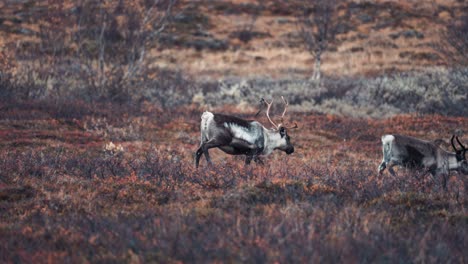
(375, 58)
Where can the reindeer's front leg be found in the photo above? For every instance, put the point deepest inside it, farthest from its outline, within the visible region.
(255, 157)
(258, 160)
(248, 159)
(242, 145)
(247, 148)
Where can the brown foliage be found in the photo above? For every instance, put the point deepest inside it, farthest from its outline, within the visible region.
(141, 200)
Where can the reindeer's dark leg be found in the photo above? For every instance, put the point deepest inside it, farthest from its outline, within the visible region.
(248, 159)
(382, 167)
(200, 151)
(198, 155)
(444, 181)
(242, 145)
(390, 166)
(432, 172)
(246, 147)
(203, 149)
(258, 160)
(210, 144)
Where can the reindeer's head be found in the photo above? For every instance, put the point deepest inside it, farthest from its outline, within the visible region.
(284, 141)
(287, 146)
(460, 154)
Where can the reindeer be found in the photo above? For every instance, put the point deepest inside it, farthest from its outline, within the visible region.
(417, 154)
(236, 136)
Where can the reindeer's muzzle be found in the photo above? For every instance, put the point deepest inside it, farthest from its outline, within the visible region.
(290, 150)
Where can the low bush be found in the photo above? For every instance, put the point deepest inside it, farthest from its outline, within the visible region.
(434, 91)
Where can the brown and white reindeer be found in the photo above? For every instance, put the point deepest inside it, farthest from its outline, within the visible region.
(419, 154)
(237, 136)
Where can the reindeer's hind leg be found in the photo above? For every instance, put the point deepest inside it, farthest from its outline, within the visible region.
(198, 155)
(382, 167)
(387, 164)
(390, 166)
(203, 149)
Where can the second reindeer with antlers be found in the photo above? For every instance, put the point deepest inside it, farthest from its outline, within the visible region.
(237, 136)
(414, 153)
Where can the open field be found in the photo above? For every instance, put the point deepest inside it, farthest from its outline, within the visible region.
(100, 105)
(65, 197)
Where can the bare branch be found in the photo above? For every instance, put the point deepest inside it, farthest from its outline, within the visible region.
(317, 28)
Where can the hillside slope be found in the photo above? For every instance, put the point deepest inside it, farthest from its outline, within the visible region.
(214, 39)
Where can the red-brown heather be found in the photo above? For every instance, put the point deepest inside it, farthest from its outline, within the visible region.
(100, 109)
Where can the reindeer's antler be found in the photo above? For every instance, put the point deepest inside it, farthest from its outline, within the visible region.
(286, 104)
(277, 126)
(268, 113)
(453, 145)
(463, 148)
(461, 145)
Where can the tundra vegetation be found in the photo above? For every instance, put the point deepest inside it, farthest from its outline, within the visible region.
(98, 130)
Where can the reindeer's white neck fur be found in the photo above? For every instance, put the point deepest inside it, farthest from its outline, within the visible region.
(272, 141)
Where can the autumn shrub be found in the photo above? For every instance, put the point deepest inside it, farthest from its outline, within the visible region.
(434, 91)
(149, 204)
(154, 165)
(94, 52)
(44, 164)
(431, 92)
(295, 233)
